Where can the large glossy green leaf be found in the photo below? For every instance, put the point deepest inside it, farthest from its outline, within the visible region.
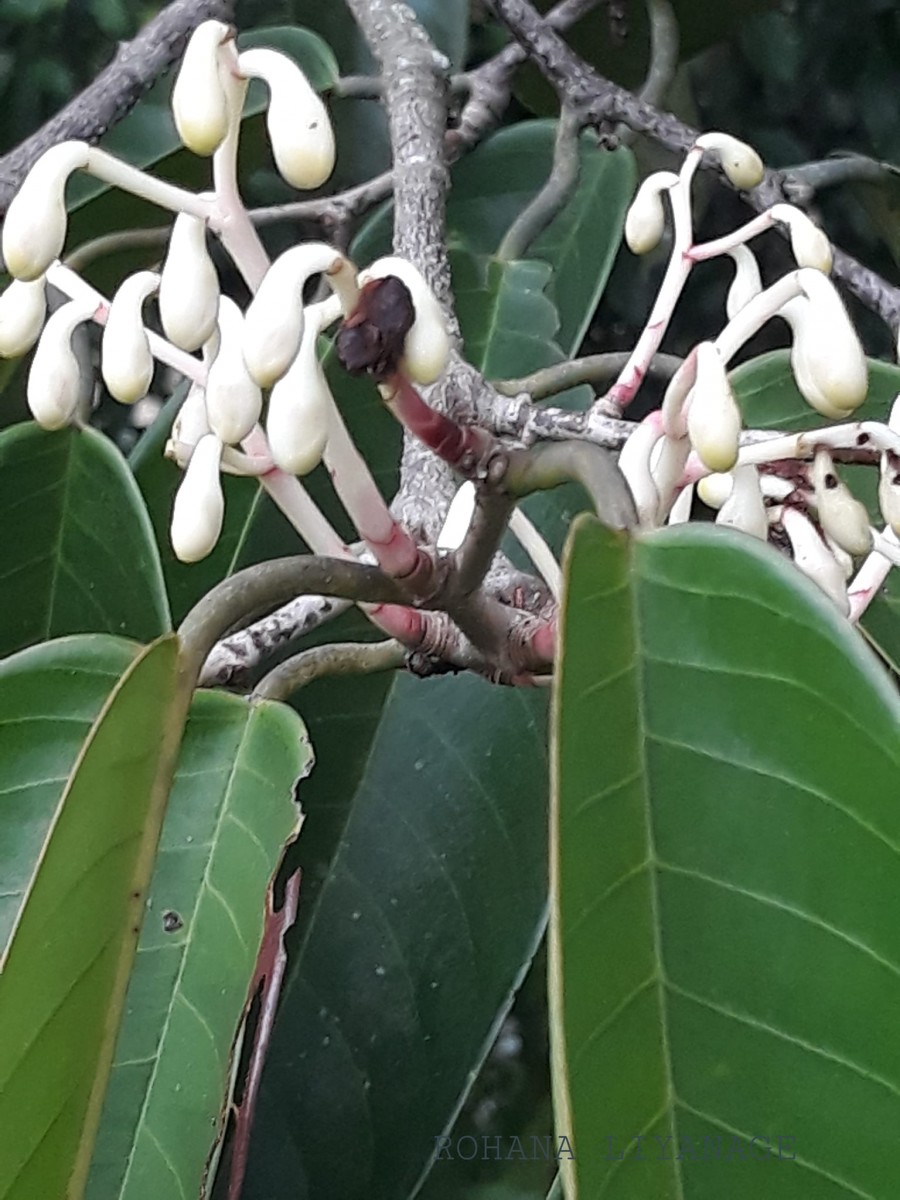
(86, 724)
(230, 814)
(769, 399)
(79, 553)
(421, 923)
(727, 870)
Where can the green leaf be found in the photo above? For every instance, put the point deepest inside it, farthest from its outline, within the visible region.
(85, 724)
(230, 814)
(420, 924)
(726, 870)
(79, 552)
(504, 314)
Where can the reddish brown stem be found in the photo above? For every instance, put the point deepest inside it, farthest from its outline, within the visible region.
(466, 448)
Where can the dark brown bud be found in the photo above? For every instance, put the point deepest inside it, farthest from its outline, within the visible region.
(371, 339)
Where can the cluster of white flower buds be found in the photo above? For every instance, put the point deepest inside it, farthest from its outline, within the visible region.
(696, 436)
(273, 346)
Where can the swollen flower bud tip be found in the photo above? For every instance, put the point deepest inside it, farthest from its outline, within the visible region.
(34, 230)
(199, 507)
(808, 242)
(273, 325)
(233, 399)
(426, 347)
(125, 359)
(200, 103)
(300, 410)
(715, 489)
(740, 162)
(189, 286)
(826, 356)
(841, 515)
(646, 219)
(23, 306)
(713, 417)
(299, 127)
(54, 381)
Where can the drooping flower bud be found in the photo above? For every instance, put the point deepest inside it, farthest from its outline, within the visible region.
(426, 347)
(808, 242)
(747, 282)
(199, 507)
(814, 558)
(841, 515)
(189, 286)
(667, 467)
(34, 229)
(744, 508)
(299, 410)
(826, 356)
(646, 218)
(23, 307)
(740, 162)
(125, 359)
(200, 102)
(190, 425)
(54, 381)
(299, 126)
(233, 399)
(889, 490)
(459, 518)
(634, 463)
(713, 418)
(273, 325)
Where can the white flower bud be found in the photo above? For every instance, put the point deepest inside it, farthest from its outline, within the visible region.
(189, 286)
(125, 359)
(814, 558)
(634, 463)
(667, 467)
(273, 325)
(427, 345)
(200, 101)
(233, 399)
(826, 356)
(744, 508)
(646, 218)
(747, 282)
(199, 507)
(713, 417)
(841, 515)
(889, 490)
(299, 127)
(740, 162)
(299, 410)
(34, 229)
(23, 307)
(841, 557)
(54, 381)
(190, 425)
(808, 242)
(459, 518)
(715, 489)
